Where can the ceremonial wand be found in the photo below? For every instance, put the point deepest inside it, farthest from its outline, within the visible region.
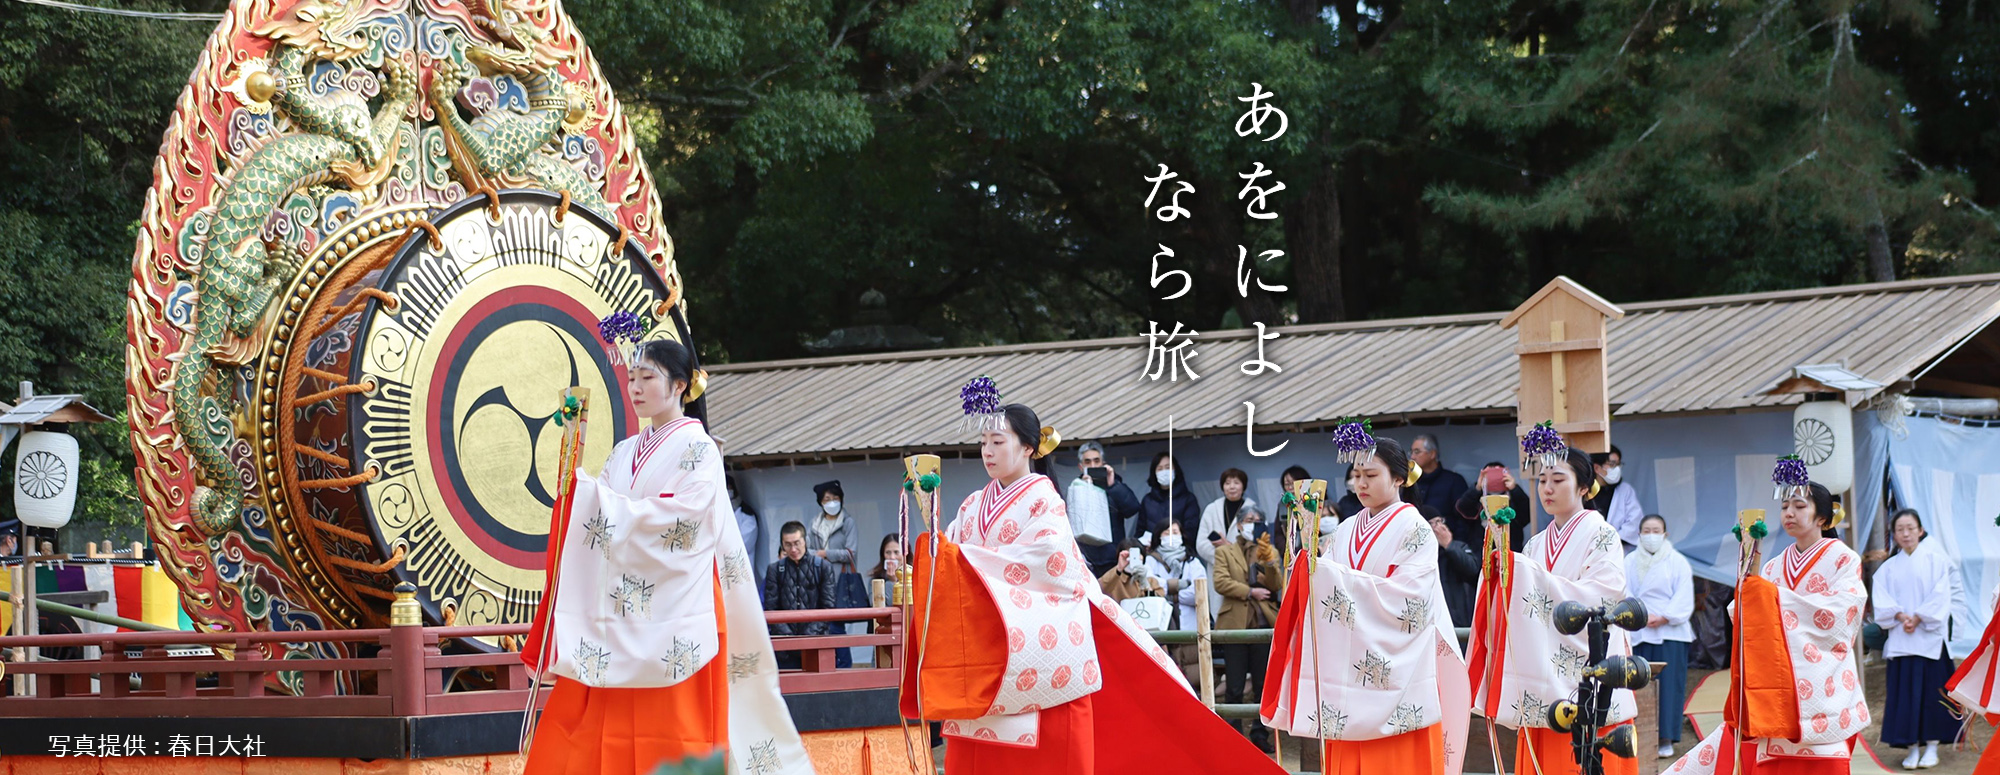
(920, 483)
(571, 416)
(1304, 502)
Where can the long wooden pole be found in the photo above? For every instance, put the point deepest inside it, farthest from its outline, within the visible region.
(1204, 650)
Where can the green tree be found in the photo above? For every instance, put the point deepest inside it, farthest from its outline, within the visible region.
(84, 99)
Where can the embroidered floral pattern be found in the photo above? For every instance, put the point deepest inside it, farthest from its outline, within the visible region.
(680, 537)
(634, 595)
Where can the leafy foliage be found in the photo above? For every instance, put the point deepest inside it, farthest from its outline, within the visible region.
(983, 162)
(83, 101)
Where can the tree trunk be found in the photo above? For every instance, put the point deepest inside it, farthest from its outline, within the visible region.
(1881, 263)
(1312, 239)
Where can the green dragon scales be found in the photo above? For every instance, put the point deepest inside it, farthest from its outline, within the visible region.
(337, 142)
(503, 146)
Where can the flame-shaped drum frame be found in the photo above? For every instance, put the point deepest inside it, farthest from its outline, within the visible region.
(287, 561)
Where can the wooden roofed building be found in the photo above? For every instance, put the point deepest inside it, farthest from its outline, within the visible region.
(1693, 389)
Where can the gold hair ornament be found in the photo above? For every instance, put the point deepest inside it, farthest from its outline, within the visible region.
(1594, 486)
(697, 384)
(1048, 443)
(1416, 472)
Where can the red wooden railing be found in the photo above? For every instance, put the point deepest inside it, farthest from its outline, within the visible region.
(407, 676)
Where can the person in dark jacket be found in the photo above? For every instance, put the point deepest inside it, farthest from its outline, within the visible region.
(801, 581)
(1458, 569)
(1467, 526)
(1163, 477)
(1438, 487)
(798, 582)
(1122, 504)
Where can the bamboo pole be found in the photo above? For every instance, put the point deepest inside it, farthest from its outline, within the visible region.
(1204, 653)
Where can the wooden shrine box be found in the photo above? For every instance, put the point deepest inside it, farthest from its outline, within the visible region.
(1561, 347)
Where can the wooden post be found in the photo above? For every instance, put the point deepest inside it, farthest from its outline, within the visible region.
(1562, 350)
(1204, 652)
(407, 692)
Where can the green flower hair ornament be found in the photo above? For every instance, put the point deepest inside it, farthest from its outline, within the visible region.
(1757, 531)
(571, 409)
(929, 482)
(1503, 517)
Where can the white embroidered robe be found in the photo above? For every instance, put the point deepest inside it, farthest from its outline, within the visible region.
(647, 541)
(1379, 657)
(1820, 597)
(1018, 540)
(1582, 560)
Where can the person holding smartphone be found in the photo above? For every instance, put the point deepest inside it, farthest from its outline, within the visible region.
(1097, 481)
(1494, 479)
(1128, 578)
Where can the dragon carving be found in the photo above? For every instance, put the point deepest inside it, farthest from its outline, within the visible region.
(504, 146)
(336, 142)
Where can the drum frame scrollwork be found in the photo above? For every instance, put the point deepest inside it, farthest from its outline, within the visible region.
(516, 60)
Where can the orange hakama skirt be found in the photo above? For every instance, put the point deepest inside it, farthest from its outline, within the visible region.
(1420, 752)
(590, 730)
(1558, 757)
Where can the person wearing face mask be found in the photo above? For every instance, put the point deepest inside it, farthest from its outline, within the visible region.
(1616, 499)
(1108, 493)
(834, 537)
(1168, 559)
(1251, 582)
(1660, 577)
(1168, 499)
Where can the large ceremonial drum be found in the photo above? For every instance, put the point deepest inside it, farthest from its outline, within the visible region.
(380, 237)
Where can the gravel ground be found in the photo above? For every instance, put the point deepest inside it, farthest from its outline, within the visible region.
(1950, 762)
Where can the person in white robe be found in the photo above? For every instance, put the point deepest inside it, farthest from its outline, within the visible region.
(1912, 597)
(654, 608)
(1658, 575)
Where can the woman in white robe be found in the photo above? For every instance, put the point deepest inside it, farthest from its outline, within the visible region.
(1801, 707)
(1912, 599)
(1364, 655)
(1028, 665)
(1659, 576)
(1520, 664)
(657, 640)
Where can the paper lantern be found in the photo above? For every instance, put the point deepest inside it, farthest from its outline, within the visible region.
(1823, 437)
(45, 474)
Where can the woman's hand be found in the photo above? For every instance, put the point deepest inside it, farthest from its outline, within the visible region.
(1260, 593)
(1656, 621)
